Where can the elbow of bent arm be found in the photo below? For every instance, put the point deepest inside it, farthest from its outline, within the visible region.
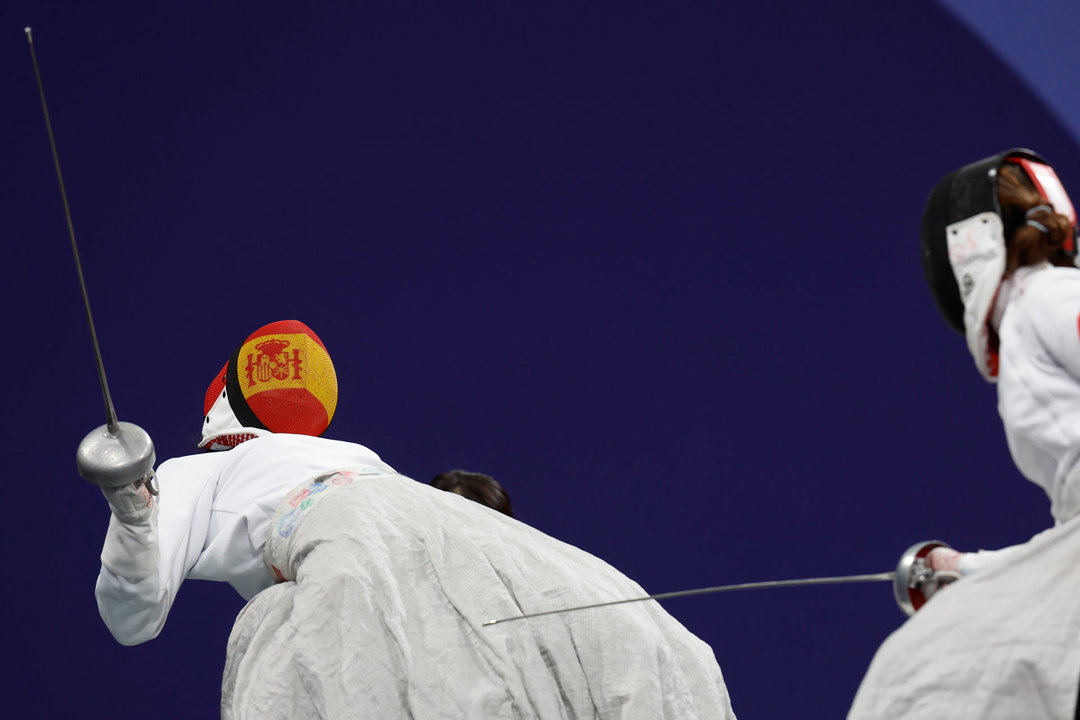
(134, 612)
(126, 638)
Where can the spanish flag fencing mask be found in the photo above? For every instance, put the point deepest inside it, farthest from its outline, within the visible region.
(280, 380)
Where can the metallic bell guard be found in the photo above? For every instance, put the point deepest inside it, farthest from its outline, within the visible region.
(116, 455)
(915, 581)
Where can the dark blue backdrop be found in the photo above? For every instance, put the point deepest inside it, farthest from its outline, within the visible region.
(655, 268)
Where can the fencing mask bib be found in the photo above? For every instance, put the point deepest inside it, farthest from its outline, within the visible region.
(280, 379)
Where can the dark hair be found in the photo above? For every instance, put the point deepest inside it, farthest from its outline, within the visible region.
(1026, 244)
(478, 487)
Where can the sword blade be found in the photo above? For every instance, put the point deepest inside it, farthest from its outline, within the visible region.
(110, 411)
(836, 580)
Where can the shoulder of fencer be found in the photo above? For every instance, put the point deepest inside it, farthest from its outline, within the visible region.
(184, 464)
(1050, 304)
(287, 442)
(278, 451)
(189, 474)
(1054, 291)
(303, 449)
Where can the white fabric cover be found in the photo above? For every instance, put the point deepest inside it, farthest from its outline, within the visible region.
(394, 580)
(1004, 641)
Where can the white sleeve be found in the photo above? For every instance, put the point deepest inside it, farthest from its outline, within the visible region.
(975, 561)
(128, 591)
(143, 564)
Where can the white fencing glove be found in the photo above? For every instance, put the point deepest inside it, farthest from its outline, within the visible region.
(944, 559)
(132, 503)
(131, 544)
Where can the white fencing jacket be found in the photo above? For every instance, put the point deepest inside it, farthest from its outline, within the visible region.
(210, 523)
(1005, 642)
(1039, 380)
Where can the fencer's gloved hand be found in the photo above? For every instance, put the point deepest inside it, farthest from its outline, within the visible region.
(131, 543)
(944, 559)
(131, 504)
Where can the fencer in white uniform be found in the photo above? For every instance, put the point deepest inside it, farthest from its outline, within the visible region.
(999, 242)
(368, 591)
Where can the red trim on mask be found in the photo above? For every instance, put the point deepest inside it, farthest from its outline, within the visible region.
(1052, 190)
(214, 391)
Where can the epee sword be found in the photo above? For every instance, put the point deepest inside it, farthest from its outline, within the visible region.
(117, 453)
(872, 577)
(913, 584)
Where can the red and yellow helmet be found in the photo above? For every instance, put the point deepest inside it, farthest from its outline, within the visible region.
(280, 380)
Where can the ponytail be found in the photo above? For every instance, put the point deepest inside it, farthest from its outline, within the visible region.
(1034, 233)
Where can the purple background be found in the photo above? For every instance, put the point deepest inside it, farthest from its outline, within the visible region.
(654, 268)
